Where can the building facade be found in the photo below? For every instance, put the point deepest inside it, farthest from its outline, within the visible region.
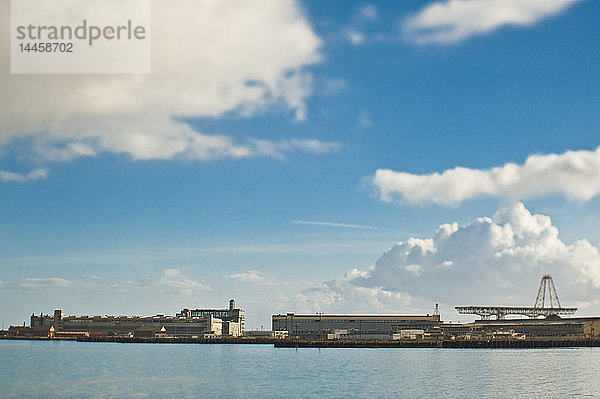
(191, 324)
(352, 326)
(231, 314)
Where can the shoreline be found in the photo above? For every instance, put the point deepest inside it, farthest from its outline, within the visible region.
(295, 343)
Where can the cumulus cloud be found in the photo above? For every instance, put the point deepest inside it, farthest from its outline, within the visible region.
(209, 59)
(251, 276)
(576, 174)
(37, 174)
(340, 296)
(453, 20)
(491, 261)
(173, 280)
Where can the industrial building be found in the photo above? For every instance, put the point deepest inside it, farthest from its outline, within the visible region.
(550, 327)
(231, 314)
(547, 304)
(198, 323)
(388, 327)
(351, 326)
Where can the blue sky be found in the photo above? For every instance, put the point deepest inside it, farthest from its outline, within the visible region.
(109, 225)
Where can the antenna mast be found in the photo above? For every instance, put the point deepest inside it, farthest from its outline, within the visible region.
(547, 284)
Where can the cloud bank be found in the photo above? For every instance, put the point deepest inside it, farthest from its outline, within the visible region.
(342, 296)
(496, 260)
(576, 174)
(491, 261)
(455, 20)
(209, 59)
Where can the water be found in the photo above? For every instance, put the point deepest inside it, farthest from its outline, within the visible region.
(34, 369)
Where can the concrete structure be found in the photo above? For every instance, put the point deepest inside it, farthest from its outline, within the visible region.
(502, 311)
(150, 332)
(71, 334)
(26, 331)
(230, 329)
(200, 323)
(409, 334)
(265, 334)
(552, 327)
(547, 289)
(231, 314)
(350, 326)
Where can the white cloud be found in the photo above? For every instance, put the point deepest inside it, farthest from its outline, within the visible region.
(251, 276)
(453, 20)
(276, 149)
(369, 12)
(356, 32)
(93, 277)
(576, 174)
(36, 283)
(173, 280)
(52, 282)
(209, 59)
(364, 119)
(332, 224)
(354, 36)
(331, 86)
(491, 261)
(415, 270)
(37, 174)
(340, 296)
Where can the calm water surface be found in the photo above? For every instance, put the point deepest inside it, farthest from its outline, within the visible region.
(30, 369)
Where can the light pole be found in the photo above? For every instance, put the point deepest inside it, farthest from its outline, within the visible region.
(359, 328)
(320, 319)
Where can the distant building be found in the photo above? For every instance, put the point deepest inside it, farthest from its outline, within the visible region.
(266, 334)
(230, 329)
(550, 327)
(351, 326)
(192, 323)
(25, 331)
(150, 332)
(409, 334)
(232, 314)
(71, 334)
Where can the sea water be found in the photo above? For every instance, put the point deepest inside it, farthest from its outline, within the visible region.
(64, 369)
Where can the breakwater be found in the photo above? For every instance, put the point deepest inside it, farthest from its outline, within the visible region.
(181, 340)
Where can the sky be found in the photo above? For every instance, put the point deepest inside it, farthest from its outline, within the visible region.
(311, 156)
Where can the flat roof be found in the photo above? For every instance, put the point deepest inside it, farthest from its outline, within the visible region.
(333, 315)
(538, 321)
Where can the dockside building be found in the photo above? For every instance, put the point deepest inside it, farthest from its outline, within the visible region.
(185, 324)
(229, 315)
(352, 326)
(549, 327)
